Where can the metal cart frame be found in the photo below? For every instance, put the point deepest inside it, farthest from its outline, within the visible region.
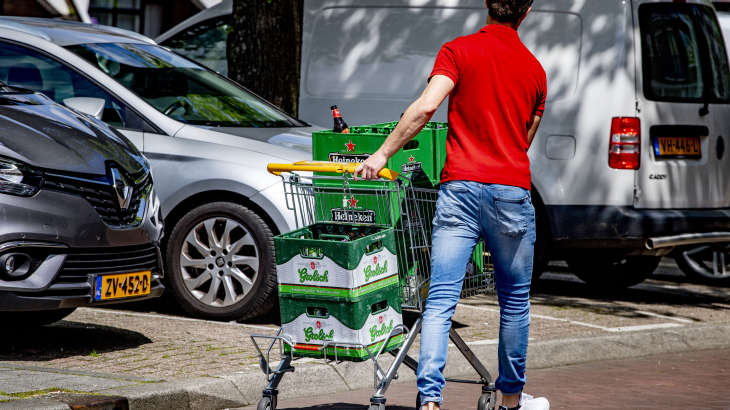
(409, 210)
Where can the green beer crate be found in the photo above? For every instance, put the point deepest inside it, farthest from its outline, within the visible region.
(366, 320)
(336, 261)
(422, 158)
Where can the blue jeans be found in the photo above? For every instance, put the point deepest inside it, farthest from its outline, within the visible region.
(465, 212)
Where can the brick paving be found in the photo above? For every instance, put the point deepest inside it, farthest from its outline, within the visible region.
(132, 339)
(696, 380)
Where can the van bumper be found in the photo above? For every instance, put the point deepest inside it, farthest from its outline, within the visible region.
(624, 230)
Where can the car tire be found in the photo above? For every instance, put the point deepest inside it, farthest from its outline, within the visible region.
(707, 264)
(34, 318)
(219, 285)
(613, 272)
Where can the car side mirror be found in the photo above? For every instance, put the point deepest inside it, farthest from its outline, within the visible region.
(87, 105)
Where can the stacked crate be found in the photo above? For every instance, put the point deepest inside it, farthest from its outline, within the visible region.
(422, 159)
(339, 282)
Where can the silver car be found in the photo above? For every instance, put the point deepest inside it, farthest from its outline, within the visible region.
(208, 141)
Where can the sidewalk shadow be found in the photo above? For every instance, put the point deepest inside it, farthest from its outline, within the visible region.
(65, 339)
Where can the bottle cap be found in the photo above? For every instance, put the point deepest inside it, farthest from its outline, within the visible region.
(334, 107)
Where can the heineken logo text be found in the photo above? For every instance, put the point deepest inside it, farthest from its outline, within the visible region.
(411, 167)
(309, 334)
(379, 270)
(384, 330)
(314, 277)
(348, 158)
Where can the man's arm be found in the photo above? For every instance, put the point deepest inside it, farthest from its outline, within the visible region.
(534, 124)
(412, 122)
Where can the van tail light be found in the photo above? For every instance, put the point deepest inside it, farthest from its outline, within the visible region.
(624, 149)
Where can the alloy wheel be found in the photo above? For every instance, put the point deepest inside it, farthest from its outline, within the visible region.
(219, 261)
(711, 262)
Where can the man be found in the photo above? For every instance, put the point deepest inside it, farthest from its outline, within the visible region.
(497, 95)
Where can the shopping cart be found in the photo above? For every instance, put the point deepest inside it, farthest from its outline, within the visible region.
(389, 202)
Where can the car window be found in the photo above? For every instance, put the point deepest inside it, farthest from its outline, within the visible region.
(683, 54)
(182, 89)
(26, 68)
(204, 43)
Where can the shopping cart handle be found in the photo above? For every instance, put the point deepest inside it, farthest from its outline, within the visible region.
(322, 166)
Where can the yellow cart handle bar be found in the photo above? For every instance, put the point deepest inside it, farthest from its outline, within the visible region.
(323, 166)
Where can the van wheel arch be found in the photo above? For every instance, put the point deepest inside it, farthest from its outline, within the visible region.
(543, 244)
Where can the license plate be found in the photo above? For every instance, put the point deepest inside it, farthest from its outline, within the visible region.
(122, 285)
(684, 147)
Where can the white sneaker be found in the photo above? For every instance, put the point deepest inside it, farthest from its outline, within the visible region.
(528, 402)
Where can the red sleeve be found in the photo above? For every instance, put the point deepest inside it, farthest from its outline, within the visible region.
(542, 94)
(446, 64)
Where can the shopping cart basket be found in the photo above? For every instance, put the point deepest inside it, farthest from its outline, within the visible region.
(392, 202)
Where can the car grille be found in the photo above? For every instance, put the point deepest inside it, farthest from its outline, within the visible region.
(102, 197)
(73, 280)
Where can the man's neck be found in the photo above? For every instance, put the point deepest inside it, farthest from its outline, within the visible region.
(491, 21)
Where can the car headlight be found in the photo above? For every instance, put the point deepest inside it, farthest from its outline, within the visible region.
(18, 179)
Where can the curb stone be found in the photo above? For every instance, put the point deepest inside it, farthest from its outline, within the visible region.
(311, 379)
(33, 404)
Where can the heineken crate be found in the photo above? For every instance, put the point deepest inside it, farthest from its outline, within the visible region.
(336, 261)
(422, 158)
(364, 321)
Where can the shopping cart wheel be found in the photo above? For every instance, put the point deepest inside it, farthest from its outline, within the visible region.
(378, 406)
(266, 404)
(486, 402)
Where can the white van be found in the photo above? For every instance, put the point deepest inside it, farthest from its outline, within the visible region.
(629, 161)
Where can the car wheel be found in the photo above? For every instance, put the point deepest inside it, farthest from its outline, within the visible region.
(34, 318)
(221, 262)
(708, 264)
(615, 272)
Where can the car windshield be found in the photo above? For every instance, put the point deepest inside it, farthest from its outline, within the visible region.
(180, 88)
(683, 54)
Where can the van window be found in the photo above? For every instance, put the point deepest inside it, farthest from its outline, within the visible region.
(388, 52)
(204, 43)
(683, 54)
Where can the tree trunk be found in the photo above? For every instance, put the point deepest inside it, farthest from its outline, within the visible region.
(265, 49)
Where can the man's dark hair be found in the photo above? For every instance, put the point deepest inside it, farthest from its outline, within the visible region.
(508, 11)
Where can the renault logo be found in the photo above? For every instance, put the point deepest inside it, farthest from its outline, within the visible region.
(123, 190)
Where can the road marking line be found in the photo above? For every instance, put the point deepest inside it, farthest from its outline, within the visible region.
(607, 329)
(678, 319)
(642, 327)
(186, 319)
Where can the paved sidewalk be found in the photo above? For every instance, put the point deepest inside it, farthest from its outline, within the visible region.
(697, 380)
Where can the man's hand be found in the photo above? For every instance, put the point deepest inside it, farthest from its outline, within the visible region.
(372, 166)
(412, 122)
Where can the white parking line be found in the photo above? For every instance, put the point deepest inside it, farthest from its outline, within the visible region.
(678, 319)
(641, 327)
(607, 329)
(186, 319)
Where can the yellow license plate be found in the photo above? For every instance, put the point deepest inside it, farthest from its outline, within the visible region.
(677, 147)
(122, 285)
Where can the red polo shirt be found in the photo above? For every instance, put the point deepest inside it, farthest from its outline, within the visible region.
(500, 85)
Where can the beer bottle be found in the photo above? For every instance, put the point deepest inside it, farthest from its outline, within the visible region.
(340, 125)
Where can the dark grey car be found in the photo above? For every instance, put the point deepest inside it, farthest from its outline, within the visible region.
(79, 218)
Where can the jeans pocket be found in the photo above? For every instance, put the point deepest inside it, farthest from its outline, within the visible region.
(448, 206)
(512, 214)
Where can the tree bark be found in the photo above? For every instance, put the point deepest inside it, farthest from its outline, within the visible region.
(265, 48)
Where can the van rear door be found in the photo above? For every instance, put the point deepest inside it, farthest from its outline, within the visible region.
(683, 103)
